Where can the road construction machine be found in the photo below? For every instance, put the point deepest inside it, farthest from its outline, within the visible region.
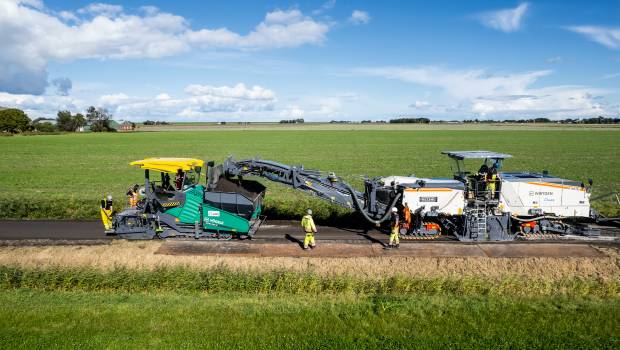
(175, 204)
(490, 205)
(482, 205)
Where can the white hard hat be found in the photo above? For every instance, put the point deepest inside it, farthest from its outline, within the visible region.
(394, 210)
(109, 197)
(309, 211)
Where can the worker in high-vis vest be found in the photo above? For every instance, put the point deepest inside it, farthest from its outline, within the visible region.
(307, 223)
(133, 195)
(106, 211)
(394, 227)
(406, 217)
(492, 182)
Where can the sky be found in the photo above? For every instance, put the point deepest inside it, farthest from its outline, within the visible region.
(317, 60)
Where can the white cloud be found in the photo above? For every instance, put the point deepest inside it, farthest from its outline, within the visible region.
(239, 91)
(554, 59)
(359, 17)
(292, 112)
(326, 6)
(283, 17)
(606, 36)
(101, 9)
(479, 92)
(40, 105)
(461, 84)
(32, 36)
(506, 20)
(113, 100)
(321, 108)
(419, 104)
(68, 16)
(284, 29)
(201, 102)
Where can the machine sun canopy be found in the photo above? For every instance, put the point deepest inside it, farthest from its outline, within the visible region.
(169, 165)
(460, 155)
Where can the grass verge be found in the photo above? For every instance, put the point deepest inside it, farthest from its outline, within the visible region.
(36, 319)
(220, 280)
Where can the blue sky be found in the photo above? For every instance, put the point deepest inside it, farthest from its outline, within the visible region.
(318, 60)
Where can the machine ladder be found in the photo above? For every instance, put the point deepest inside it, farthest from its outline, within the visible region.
(478, 214)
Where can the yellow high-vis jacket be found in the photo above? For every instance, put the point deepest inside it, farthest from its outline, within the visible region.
(308, 224)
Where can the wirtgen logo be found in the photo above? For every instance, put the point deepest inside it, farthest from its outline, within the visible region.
(534, 193)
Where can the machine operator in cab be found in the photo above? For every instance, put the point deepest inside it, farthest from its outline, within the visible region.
(307, 223)
(394, 227)
(133, 196)
(492, 181)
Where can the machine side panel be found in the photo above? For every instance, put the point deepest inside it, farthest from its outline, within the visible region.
(522, 198)
(189, 213)
(449, 201)
(509, 199)
(216, 219)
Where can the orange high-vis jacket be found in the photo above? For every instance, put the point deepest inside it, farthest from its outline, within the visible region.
(407, 215)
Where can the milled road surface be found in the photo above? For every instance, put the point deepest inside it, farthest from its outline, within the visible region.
(284, 238)
(93, 230)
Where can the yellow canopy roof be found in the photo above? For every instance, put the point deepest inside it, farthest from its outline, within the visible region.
(169, 165)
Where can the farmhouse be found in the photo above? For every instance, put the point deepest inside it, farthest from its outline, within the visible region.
(126, 126)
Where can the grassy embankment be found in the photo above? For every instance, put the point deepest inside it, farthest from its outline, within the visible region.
(125, 295)
(220, 308)
(36, 319)
(64, 176)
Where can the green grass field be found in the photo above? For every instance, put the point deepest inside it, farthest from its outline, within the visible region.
(218, 308)
(64, 176)
(59, 320)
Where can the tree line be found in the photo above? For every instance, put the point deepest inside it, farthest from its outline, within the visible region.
(292, 121)
(410, 120)
(596, 120)
(13, 120)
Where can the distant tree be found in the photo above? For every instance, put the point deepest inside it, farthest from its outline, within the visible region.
(99, 119)
(292, 121)
(78, 121)
(67, 122)
(13, 120)
(410, 120)
(542, 120)
(44, 127)
(64, 121)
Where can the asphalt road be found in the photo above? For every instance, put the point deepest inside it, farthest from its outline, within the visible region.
(93, 230)
(271, 231)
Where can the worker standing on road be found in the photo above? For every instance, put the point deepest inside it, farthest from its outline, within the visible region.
(107, 210)
(394, 227)
(307, 223)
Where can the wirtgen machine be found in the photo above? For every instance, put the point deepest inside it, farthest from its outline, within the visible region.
(489, 205)
(485, 205)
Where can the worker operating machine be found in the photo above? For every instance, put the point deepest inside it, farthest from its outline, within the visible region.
(481, 203)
